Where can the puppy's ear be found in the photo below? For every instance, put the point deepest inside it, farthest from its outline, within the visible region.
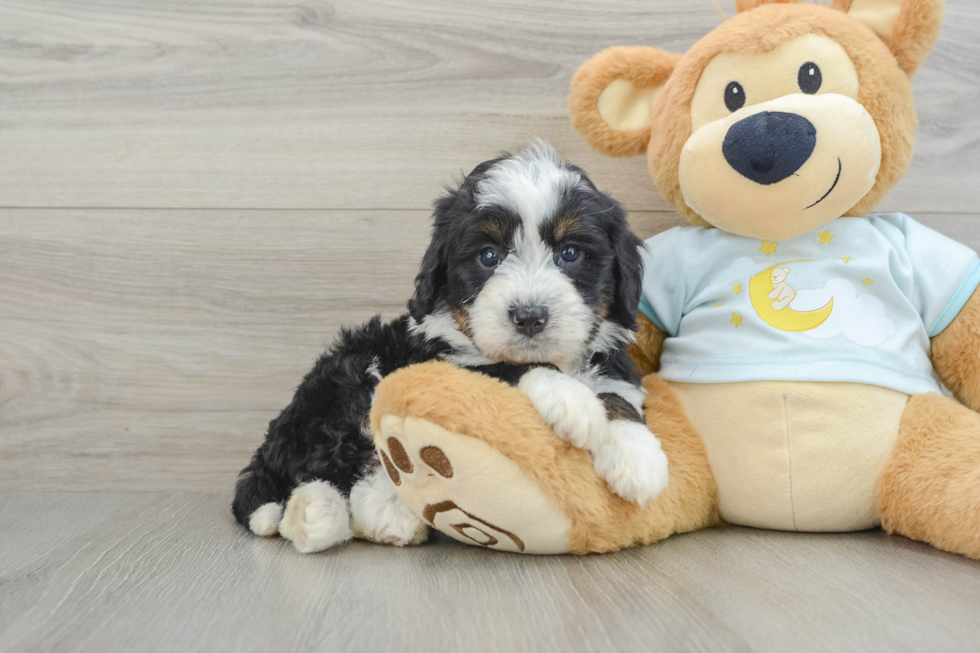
(432, 274)
(449, 210)
(908, 27)
(627, 269)
(613, 95)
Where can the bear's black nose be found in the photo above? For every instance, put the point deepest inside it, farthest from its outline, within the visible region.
(769, 146)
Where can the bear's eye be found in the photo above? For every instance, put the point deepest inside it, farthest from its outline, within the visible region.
(810, 78)
(734, 96)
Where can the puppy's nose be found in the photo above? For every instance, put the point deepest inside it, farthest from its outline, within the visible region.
(769, 146)
(529, 320)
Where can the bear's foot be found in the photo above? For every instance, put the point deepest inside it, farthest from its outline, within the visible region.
(468, 490)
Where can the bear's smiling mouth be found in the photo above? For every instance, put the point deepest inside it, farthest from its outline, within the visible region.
(839, 168)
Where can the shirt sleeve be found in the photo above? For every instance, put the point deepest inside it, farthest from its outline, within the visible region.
(664, 294)
(944, 272)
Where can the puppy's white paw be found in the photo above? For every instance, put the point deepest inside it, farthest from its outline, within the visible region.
(632, 462)
(316, 518)
(569, 406)
(380, 516)
(265, 520)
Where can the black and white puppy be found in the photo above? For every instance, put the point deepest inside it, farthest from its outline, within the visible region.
(532, 276)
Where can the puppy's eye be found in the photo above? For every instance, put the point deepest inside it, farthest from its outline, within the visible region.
(809, 78)
(489, 258)
(734, 96)
(570, 253)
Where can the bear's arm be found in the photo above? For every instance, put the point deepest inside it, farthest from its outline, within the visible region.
(645, 352)
(956, 354)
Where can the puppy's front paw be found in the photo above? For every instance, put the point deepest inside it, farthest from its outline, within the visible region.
(569, 406)
(632, 462)
(378, 514)
(315, 518)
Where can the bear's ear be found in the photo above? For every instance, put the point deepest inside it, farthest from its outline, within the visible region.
(613, 95)
(908, 27)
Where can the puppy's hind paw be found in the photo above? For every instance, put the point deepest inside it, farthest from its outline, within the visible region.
(265, 520)
(315, 518)
(632, 462)
(378, 515)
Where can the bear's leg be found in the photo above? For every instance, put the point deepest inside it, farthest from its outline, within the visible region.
(930, 487)
(473, 457)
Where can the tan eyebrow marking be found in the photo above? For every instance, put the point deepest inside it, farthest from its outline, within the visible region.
(566, 225)
(492, 228)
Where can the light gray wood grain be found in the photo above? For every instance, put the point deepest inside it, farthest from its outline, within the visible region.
(147, 350)
(172, 572)
(354, 104)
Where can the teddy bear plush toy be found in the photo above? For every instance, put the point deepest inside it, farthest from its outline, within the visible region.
(794, 344)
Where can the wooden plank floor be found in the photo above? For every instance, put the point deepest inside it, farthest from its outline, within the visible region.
(171, 572)
(195, 196)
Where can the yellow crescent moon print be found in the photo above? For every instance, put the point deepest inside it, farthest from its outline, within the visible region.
(787, 319)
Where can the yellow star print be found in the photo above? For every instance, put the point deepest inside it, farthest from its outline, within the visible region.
(825, 237)
(868, 281)
(717, 306)
(736, 319)
(846, 259)
(737, 289)
(768, 248)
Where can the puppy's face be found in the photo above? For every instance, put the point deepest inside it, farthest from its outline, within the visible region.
(530, 262)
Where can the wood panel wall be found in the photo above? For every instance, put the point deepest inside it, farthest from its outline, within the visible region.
(195, 195)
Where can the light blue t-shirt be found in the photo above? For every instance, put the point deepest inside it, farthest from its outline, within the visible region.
(854, 301)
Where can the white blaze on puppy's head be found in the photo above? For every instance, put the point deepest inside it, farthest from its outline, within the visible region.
(531, 183)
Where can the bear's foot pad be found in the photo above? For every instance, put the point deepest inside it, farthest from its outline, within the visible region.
(466, 489)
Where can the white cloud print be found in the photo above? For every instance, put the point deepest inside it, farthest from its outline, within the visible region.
(859, 318)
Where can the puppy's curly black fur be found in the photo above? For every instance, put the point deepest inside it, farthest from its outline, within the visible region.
(321, 434)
